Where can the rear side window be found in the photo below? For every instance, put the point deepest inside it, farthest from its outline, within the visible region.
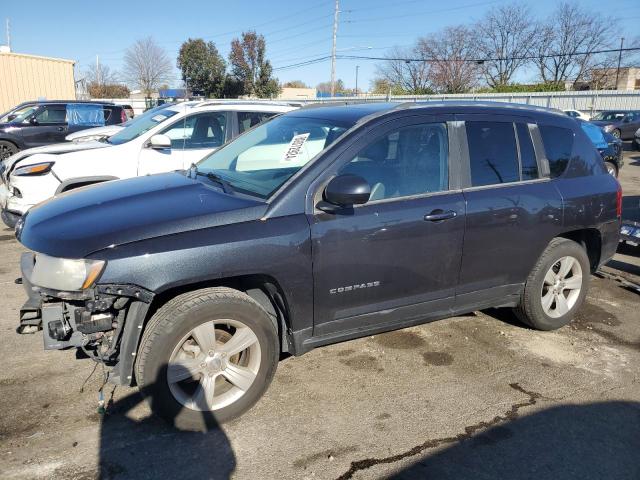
(492, 152)
(528, 161)
(247, 120)
(558, 144)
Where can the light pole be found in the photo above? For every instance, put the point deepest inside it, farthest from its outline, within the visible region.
(619, 59)
(357, 67)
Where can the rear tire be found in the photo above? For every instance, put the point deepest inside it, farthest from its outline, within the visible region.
(556, 286)
(616, 133)
(206, 357)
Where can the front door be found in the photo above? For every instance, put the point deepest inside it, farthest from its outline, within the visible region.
(397, 257)
(192, 138)
(48, 125)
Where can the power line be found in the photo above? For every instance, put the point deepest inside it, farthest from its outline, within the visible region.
(489, 59)
(472, 60)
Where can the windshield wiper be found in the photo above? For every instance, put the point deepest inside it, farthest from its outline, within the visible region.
(226, 186)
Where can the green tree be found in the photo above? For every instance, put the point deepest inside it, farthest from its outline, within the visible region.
(250, 66)
(203, 68)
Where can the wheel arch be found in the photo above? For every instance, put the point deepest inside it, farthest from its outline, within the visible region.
(591, 240)
(264, 289)
(77, 182)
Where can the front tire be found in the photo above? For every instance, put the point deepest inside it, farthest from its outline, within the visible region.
(7, 149)
(612, 169)
(616, 133)
(206, 357)
(556, 287)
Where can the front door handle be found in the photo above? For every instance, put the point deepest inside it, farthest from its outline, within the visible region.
(61, 129)
(438, 215)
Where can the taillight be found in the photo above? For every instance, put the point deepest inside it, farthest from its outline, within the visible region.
(619, 200)
(123, 116)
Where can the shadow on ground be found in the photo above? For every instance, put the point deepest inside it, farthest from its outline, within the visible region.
(593, 441)
(150, 448)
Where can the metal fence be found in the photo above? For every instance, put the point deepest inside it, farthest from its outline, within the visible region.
(590, 101)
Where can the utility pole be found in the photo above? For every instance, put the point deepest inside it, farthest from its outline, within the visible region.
(619, 59)
(357, 67)
(9, 34)
(333, 50)
(98, 79)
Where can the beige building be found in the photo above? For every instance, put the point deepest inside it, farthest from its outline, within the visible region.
(29, 77)
(289, 93)
(628, 78)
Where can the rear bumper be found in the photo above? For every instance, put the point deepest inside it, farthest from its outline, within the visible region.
(610, 235)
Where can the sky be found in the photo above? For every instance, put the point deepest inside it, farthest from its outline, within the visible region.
(295, 31)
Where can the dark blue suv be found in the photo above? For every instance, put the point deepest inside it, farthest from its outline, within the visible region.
(319, 226)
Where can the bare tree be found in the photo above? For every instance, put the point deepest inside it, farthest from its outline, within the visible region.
(504, 38)
(147, 65)
(403, 75)
(567, 43)
(451, 53)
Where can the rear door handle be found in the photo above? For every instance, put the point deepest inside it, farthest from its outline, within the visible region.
(438, 215)
(61, 129)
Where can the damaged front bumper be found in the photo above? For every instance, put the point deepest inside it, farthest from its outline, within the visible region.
(105, 321)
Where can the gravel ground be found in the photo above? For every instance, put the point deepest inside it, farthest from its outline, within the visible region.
(478, 396)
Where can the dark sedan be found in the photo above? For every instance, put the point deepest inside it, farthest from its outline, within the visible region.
(619, 123)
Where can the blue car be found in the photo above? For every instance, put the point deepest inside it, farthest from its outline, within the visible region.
(610, 147)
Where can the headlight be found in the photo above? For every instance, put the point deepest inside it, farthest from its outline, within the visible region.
(64, 274)
(35, 169)
(607, 128)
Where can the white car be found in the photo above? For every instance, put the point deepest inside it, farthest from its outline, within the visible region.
(578, 114)
(171, 138)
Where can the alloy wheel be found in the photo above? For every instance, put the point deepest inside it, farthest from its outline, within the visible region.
(214, 365)
(561, 287)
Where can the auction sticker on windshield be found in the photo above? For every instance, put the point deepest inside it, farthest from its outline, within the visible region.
(295, 147)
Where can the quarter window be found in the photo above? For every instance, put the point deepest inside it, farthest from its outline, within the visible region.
(492, 153)
(558, 144)
(408, 161)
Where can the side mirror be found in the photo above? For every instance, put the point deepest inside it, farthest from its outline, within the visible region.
(345, 191)
(33, 121)
(160, 142)
(11, 117)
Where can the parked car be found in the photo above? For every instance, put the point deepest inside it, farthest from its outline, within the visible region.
(43, 123)
(636, 140)
(620, 124)
(577, 114)
(322, 225)
(610, 147)
(169, 138)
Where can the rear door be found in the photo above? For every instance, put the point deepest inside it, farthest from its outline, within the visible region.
(397, 257)
(512, 208)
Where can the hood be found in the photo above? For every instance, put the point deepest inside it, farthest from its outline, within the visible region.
(54, 149)
(83, 221)
(105, 131)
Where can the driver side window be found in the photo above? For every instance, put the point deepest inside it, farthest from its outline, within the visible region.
(412, 160)
(203, 130)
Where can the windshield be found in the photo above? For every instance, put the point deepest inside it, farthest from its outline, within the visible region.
(19, 115)
(609, 116)
(141, 124)
(261, 160)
